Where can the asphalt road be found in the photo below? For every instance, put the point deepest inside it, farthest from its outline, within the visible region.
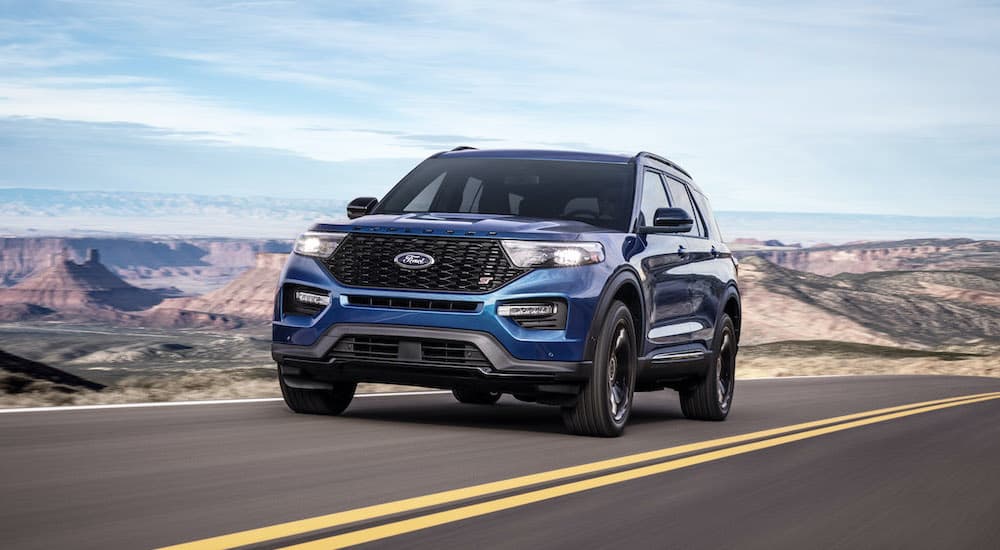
(149, 477)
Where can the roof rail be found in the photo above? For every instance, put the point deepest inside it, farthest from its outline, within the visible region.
(463, 148)
(669, 163)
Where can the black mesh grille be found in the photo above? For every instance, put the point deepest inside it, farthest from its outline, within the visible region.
(460, 265)
(389, 349)
(367, 347)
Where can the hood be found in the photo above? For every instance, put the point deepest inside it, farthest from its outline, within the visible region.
(478, 225)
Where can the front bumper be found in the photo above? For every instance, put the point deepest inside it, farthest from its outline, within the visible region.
(492, 368)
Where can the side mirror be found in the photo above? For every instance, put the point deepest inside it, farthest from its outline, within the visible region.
(669, 220)
(361, 206)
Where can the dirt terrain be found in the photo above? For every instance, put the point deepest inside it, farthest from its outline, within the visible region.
(826, 357)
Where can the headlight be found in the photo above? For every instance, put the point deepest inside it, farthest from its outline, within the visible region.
(553, 254)
(318, 244)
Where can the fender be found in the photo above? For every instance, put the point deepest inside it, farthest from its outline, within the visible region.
(732, 292)
(625, 275)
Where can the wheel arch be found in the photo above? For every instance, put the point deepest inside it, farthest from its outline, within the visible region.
(733, 307)
(623, 286)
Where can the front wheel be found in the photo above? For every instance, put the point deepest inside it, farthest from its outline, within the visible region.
(604, 404)
(331, 401)
(712, 397)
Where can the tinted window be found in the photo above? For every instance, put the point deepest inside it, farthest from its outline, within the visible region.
(653, 197)
(471, 194)
(679, 199)
(422, 201)
(592, 192)
(708, 215)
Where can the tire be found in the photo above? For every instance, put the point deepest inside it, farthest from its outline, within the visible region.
(476, 397)
(603, 407)
(318, 401)
(712, 397)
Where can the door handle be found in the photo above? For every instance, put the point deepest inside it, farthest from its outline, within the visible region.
(681, 251)
(715, 252)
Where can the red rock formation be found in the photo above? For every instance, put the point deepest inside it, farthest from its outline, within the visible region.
(193, 265)
(249, 298)
(68, 286)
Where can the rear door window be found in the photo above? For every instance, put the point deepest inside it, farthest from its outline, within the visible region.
(679, 198)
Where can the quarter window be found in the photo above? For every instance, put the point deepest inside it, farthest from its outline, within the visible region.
(706, 212)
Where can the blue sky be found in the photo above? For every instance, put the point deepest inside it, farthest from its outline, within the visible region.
(776, 106)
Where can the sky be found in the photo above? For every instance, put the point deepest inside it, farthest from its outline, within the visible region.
(776, 106)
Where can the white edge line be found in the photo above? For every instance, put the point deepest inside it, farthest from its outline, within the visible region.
(273, 399)
(801, 376)
(186, 403)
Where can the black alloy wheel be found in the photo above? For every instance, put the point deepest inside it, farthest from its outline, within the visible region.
(603, 407)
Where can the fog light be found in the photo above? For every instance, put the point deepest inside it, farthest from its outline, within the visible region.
(526, 310)
(312, 298)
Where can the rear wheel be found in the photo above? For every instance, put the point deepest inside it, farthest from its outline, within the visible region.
(320, 400)
(603, 406)
(712, 397)
(476, 397)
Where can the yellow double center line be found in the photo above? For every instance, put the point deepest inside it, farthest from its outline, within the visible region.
(757, 440)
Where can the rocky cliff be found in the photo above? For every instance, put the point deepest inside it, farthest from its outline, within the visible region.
(193, 265)
(917, 254)
(247, 299)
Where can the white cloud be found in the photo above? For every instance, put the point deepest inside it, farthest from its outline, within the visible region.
(720, 86)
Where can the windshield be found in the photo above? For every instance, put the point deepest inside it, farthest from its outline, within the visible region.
(592, 192)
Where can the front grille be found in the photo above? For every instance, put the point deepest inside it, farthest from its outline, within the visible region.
(389, 349)
(412, 303)
(460, 265)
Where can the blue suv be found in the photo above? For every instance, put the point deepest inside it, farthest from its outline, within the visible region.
(566, 278)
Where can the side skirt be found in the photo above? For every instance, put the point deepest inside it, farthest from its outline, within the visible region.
(673, 367)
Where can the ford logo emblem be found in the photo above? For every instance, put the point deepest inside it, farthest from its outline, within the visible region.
(414, 260)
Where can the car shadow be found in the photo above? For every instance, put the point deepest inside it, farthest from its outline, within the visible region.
(507, 414)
